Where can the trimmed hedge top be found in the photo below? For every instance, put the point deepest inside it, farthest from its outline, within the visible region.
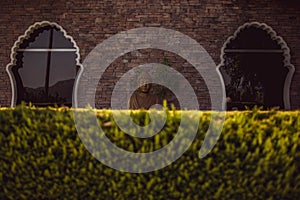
(256, 157)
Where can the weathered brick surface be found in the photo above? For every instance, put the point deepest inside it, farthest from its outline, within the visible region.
(140, 57)
(209, 22)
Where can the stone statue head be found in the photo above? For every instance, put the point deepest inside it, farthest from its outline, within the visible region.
(143, 82)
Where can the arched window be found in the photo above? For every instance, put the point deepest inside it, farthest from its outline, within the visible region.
(44, 66)
(256, 68)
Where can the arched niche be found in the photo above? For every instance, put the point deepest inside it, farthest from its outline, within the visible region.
(256, 69)
(44, 64)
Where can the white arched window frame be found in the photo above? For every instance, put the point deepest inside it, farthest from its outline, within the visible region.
(284, 50)
(16, 49)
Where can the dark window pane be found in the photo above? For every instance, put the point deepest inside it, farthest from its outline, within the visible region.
(253, 38)
(254, 78)
(33, 69)
(40, 39)
(35, 83)
(62, 75)
(59, 40)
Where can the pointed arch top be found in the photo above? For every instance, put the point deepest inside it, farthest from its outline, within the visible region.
(279, 40)
(269, 30)
(36, 26)
(25, 36)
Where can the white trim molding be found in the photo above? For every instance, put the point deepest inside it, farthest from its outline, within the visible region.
(16, 48)
(47, 50)
(285, 50)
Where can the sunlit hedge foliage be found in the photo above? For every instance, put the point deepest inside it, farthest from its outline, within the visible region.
(256, 157)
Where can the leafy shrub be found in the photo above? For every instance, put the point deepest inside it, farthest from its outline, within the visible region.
(256, 157)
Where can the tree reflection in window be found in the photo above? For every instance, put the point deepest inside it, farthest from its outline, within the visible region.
(45, 68)
(253, 70)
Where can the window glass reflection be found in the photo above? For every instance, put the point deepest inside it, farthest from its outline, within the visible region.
(253, 71)
(45, 76)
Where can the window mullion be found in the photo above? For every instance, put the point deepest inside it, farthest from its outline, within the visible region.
(253, 51)
(48, 65)
(47, 50)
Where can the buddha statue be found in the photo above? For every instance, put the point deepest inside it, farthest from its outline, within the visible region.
(143, 99)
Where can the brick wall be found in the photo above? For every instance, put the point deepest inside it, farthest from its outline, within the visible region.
(210, 22)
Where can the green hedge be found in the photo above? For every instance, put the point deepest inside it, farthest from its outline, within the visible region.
(256, 157)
